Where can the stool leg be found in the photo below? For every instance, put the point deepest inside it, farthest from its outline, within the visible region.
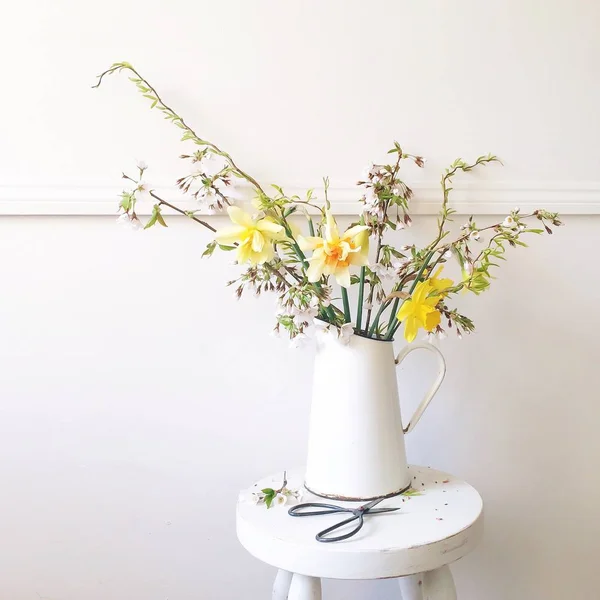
(305, 588)
(281, 587)
(433, 585)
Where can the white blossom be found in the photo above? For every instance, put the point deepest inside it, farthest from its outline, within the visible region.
(129, 222)
(475, 235)
(398, 263)
(142, 190)
(280, 499)
(226, 188)
(300, 340)
(196, 168)
(206, 193)
(369, 172)
(142, 165)
(257, 498)
(509, 222)
(304, 315)
(447, 255)
(435, 335)
(370, 198)
(213, 164)
(296, 495)
(345, 332)
(384, 272)
(327, 291)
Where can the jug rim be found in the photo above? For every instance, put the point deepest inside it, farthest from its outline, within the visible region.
(361, 334)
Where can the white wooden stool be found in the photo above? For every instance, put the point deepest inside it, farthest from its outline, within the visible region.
(415, 543)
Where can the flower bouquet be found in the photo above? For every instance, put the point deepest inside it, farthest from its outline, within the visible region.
(312, 267)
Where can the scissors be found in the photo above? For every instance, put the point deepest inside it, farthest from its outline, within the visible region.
(329, 509)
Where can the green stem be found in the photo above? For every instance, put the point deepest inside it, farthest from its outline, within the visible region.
(177, 119)
(376, 319)
(361, 295)
(347, 316)
(329, 310)
(392, 324)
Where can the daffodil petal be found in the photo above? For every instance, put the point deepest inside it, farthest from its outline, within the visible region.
(230, 234)
(244, 251)
(264, 255)
(258, 241)
(358, 259)
(436, 274)
(269, 227)
(342, 276)
(309, 242)
(351, 233)
(331, 230)
(315, 269)
(421, 291)
(405, 310)
(239, 217)
(410, 329)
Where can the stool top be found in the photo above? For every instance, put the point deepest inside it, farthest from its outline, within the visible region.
(433, 529)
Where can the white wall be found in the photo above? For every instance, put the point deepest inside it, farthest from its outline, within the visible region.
(132, 404)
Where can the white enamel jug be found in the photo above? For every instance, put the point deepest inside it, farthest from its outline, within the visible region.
(356, 440)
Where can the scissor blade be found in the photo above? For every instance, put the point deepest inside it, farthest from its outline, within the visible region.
(377, 511)
(370, 505)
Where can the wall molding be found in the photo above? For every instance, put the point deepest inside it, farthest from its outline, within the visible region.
(575, 198)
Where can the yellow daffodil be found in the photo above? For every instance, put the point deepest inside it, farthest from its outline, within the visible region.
(254, 236)
(440, 285)
(334, 254)
(419, 310)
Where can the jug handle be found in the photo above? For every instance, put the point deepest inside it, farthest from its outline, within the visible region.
(436, 384)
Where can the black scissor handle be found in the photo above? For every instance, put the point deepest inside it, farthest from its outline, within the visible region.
(329, 509)
(322, 536)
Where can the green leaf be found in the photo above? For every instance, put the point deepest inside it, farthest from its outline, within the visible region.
(210, 248)
(126, 201)
(226, 248)
(156, 216)
(161, 219)
(411, 492)
(151, 222)
(268, 491)
(269, 500)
